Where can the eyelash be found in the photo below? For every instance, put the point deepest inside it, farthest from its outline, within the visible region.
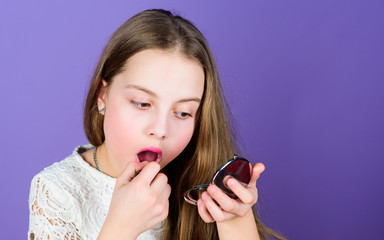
(181, 113)
(140, 106)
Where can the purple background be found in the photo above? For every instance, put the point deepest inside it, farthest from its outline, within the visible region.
(304, 79)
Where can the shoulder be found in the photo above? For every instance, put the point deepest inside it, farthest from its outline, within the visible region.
(72, 176)
(53, 200)
(67, 167)
(65, 197)
(62, 176)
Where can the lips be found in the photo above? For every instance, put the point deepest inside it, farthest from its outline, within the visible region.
(149, 154)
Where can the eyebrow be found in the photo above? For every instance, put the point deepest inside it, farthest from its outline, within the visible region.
(151, 93)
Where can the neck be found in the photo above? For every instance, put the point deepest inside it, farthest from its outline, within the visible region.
(106, 162)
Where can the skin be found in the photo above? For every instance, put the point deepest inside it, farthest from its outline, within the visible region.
(153, 102)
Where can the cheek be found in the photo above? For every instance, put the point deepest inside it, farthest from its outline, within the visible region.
(121, 131)
(181, 140)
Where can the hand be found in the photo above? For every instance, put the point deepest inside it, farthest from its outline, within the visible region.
(138, 203)
(226, 208)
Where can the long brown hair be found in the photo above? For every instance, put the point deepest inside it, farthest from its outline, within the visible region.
(212, 142)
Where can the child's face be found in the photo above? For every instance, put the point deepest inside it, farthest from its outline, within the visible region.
(152, 103)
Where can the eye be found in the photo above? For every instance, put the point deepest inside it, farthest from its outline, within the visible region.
(141, 105)
(183, 115)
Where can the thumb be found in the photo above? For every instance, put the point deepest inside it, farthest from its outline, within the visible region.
(129, 172)
(257, 169)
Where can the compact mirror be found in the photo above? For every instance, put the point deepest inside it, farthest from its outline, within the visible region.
(237, 167)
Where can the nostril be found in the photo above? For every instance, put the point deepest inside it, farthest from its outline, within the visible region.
(158, 134)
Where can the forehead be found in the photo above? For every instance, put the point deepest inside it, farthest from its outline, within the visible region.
(163, 72)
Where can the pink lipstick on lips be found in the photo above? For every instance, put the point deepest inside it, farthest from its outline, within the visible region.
(150, 154)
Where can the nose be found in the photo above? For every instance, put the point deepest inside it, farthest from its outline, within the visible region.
(158, 127)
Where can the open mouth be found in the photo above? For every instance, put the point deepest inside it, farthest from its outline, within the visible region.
(150, 154)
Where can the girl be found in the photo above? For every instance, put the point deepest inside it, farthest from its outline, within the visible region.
(156, 120)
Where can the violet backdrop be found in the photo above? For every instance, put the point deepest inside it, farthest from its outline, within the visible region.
(304, 79)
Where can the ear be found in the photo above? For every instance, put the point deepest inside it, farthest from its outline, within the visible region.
(101, 98)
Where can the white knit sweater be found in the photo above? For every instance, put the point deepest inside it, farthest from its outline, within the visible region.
(70, 200)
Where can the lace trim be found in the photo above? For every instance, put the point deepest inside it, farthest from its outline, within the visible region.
(49, 216)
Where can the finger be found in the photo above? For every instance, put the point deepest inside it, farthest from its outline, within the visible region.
(257, 169)
(166, 192)
(159, 182)
(225, 202)
(246, 195)
(164, 196)
(148, 173)
(217, 214)
(129, 172)
(203, 212)
(161, 206)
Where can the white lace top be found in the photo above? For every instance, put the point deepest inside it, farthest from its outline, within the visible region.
(70, 200)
